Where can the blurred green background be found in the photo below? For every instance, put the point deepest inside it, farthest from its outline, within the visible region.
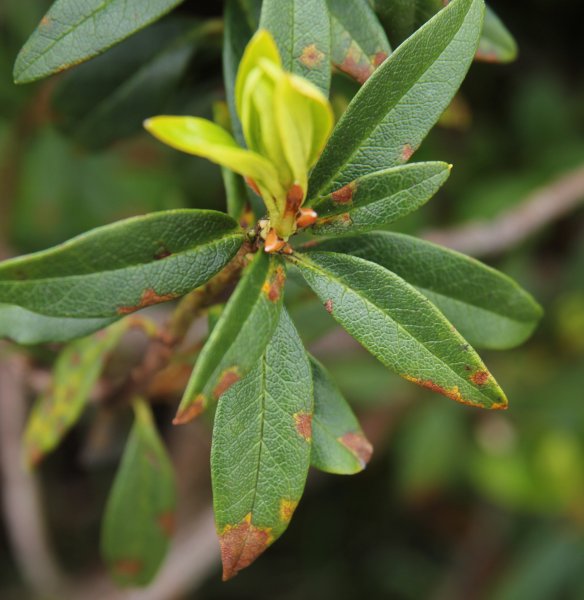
(457, 503)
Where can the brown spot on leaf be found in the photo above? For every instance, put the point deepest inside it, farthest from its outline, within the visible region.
(328, 305)
(45, 21)
(379, 58)
(162, 252)
(407, 152)
(227, 379)
(488, 57)
(241, 544)
(453, 393)
(167, 522)
(303, 422)
(480, 377)
(186, 415)
(287, 508)
(273, 287)
(149, 298)
(345, 194)
(294, 199)
(311, 56)
(356, 64)
(127, 567)
(359, 445)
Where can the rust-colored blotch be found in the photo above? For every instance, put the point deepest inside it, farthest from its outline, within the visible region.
(480, 377)
(359, 445)
(345, 194)
(328, 306)
(311, 56)
(127, 567)
(192, 411)
(356, 65)
(227, 379)
(306, 218)
(303, 422)
(407, 152)
(273, 287)
(287, 508)
(149, 298)
(241, 545)
(273, 242)
(167, 523)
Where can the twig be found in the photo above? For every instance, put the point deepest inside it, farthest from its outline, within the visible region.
(22, 504)
(512, 227)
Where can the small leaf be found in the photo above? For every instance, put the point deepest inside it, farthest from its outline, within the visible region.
(301, 29)
(73, 32)
(497, 44)
(109, 97)
(140, 512)
(203, 138)
(76, 372)
(378, 199)
(241, 19)
(488, 308)
(261, 450)
(118, 269)
(359, 44)
(392, 113)
(400, 327)
(27, 327)
(338, 444)
(240, 336)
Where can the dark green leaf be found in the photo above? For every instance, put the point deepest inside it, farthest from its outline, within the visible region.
(379, 198)
(394, 110)
(359, 44)
(120, 268)
(497, 44)
(27, 327)
(400, 327)
(109, 97)
(139, 517)
(76, 371)
(261, 450)
(489, 309)
(302, 31)
(240, 336)
(402, 17)
(241, 20)
(72, 32)
(338, 444)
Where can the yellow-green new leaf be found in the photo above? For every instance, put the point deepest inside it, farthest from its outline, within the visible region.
(140, 512)
(203, 138)
(77, 370)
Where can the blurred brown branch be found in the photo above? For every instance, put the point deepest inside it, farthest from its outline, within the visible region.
(512, 227)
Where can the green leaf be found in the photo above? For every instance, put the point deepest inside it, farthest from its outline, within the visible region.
(72, 32)
(120, 268)
(240, 337)
(497, 44)
(27, 327)
(108, 98)
(402, 17)
(338, 443)
(76, 372)
(397, 106)
(359, 43)
(140, 512)
(302, 31)
(241, 20)
(488, 308)
(378, 199)
(400, 327)
(203, 138)
(261, 450)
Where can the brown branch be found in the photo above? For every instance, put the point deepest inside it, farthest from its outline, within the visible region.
(21, 499)
(512, 227)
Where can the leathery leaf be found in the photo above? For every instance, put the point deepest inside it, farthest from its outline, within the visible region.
(400, 327)
(118, 269)
(240, 336)
(261, 450)
(488, 308)
(140, 512)
(338, 443)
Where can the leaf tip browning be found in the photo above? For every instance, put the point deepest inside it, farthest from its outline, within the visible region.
(358, 445)
(303, 423)
(241, 545)
(190, 412)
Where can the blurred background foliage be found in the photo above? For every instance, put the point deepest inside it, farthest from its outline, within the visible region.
(457, 503)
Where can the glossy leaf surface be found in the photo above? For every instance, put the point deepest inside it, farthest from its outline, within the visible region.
(240, 336)
(140, 512)
(261, 450)
(72, 32)
(117, 269)
(400, 327)
(488, 308)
